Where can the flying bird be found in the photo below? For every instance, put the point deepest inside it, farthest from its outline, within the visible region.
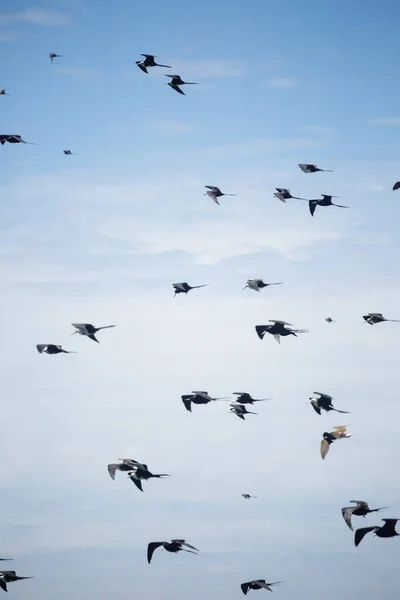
(214, 193)
(176, 81)
(374, 318)
(325, 201)
(247, 496)
(388, 530)
(361, 510)
(277, 329)
(127, 464)
(240, 410)
(149, 62)
(172, 546)
(9, 577)
(3, 92)
(69, 153)
(258, 584)
(329, 320)
(307, 168)
(284, 194)
(141, 473)
(13, 138)
(245, 398)
(53, 55)
(184, 288)
(396, 186)
(329, 438)
(52, 349)
(324, 402)
(89, 330)
(258, 284)
(198, 398)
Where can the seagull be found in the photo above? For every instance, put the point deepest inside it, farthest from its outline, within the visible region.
(69, 153)
(328, 438)
(13, 138)
(325, 201)
(214, 193)
(258, 284)
(140, 473)
(329, 320)
(53, 55)
(89, 330)
(127, 464)
(3, 92)
(172, 546)
(257, 584)
(247, 496)
(52, 349)
(240, 410)
(149, 62)
(324, 402)
(277, 329)
(9, 577)
(396, 186)
(373, 318)
(198, 398)
(307, 168)
(184, 288)
(388, 530)
(176, 81)
(284, 194)
(361, 510)
(245, 398)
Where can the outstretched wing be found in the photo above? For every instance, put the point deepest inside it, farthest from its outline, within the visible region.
(137, 482)
(189, 546)
(361, 533)
(3, 584)
(312, 205)
(324, 448)
(260, 330)
(316, 408)
(346, 514)
(112, 469)
(186, 399)
(245, 587)
(151, 548)
(41, 347)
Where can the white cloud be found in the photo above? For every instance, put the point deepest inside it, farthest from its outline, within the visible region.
(35, 16)
(386, 121)
(282, 82)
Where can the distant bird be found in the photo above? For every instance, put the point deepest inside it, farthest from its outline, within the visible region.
(149, 62)
(9, 577)
(214, 193)
(89, 330)
(258, 284)
(12, 138)
(52, 349)
(361, 510)
(184, 288)
(329, 438)
(247, 496)
(396, 186)
(127, 464)
(277, 329)
(3, 92)
(324, 402)
(240, 410)
(69, 153)
(141, 473)
(172, 546)
(53, 55)
(374, 318)
(198, 398)
(325, 201)
(245, 398)
(388, 530)
(307, 168)
(329, 320)
(257, 584)
(176, 81)
(284, 194)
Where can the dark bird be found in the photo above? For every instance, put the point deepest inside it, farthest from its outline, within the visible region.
(12, 138)
(247, 496)
(374, 318)
(329, 320)
(184, 288)
(284, 194)
(258, 584)
(9, 577)
(52, 349)
(127, 464)
(198, 398)
(69, 153)
(149, 62)
(325, 201)
(258, 284)
(141, 473)
(306, 168)
(396, 186)
(172, 546)
(361, 510)
(89, 330)
(176, 81)
(385, 531)
(277, 329)
(329, 438)
(240, 410)
(3, 92)
(324, 402)
(245, 398)
(53, 55)
(214, 193)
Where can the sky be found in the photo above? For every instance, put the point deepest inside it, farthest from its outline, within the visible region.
(100, 236)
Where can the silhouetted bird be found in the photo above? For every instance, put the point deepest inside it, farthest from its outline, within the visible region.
(385, 531)
(307, 168)
(258, 284)
(172, 546)
(184, 288)
(245, 398)
(284, 194)
(325, 201)
(277, 329)
(53, 55)
(9, 577)
(240, 410)
(324, 402)
(258, 584)
(198, 398)
(374, 318)
(214, 193)
(247, 496)
(69, 153)
(361, 510)
(13, 138)
(149, 62)
(329, 320)
(176, 81)
(329, 438)
(89, 330)
(52, 349)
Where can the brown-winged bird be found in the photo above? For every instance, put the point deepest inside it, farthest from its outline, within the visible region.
(339, 432)
(360, 510)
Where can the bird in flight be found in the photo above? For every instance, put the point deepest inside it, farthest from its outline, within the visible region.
(52, 349)
(198, 398)
(176, 81)
(69, 153)
(361, 510)
(149, 62)
(396, 186)
(258, 284)
(388, 530)
(214, 193)
(374, 318)
(3, 92)
(245, 398)
(240, 410)
(53, 55)
(13, 138)
(284, 194)
(141, 473)
(172, 546)
(329, 320)
(307, 168)
(89, 330)
(9, 577)
(184, 288)
(277, 329)
(258, 584)
(328, 438)
(127, 464)
(325, 201)
(324, 402)
(247, 496)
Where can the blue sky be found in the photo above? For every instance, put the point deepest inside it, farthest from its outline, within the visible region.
(99, 237)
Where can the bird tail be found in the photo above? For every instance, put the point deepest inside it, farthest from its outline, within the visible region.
(377, 509)
(344, 412)
(105, 327)
(199, 286)
(327, 170)
(162, 474)
(340, 205)
(69, 352)
(393, 320)
(165, 66)
(246, 286)
(278, 283)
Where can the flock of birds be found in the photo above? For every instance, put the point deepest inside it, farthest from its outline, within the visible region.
(138, 472)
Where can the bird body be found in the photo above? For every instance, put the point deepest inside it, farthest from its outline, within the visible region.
(258, 284)
(245, 398)
(308, 168)
(141, 473)
(214, 193)
(387, 530)
(277, 329)
(176, 81)
(339, 432)
(258, 584)
(52, 349)
(374, 318)
(325, 201)
(53, 55)
(89, 330)
(360, 510)
(184, 287)
(284, 194)
(9, 577)
(172, 546)
(324, 402)
(149, 61)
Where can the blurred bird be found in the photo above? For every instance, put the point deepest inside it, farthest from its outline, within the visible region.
(198, 398)
(284, 194)
(258, 284)
(324, 402)
(329, 320)
(240, 410)
(396, 186)
(89, 330)
(387, 530)
(257, 584)
(184, 288)
(149, 62)
(52, 349)
(172, 546)
(176, 81)
(245, 398)
(9, 577)
(361, 510)
(12, 138)
(325, 201)
(329, 438)
(141, 473)
(69, 153)
(127, 464)
(214, 193)
(3, 92)
(247, 496)
(277, 329)
(307, 168)
(53, 55)
(374, 318)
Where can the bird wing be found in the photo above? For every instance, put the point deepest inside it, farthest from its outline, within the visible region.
(213, 197)
(3, 584)
(396, 186)
(112, 468)
(389, 525)
(245, 587)
(179, 286)
(361, 533)
(187, 402)
(316, 408)
(346, 514)
(151, 548)
(277, 337)
(260, 330)
(324, 448)
(137, 482)
(93, 337)
(177, 89)
(41, 347)
(280, 322)
(323, 395)
(339, 430)
(312, 205)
